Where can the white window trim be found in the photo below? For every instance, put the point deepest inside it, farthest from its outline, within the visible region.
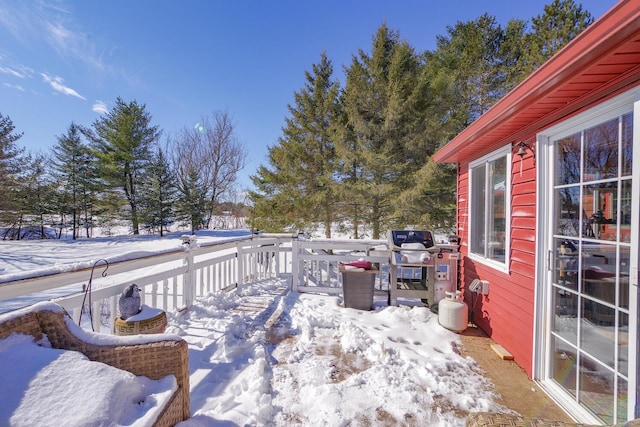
(501, 152)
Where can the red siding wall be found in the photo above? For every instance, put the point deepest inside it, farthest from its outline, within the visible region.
(506, 313)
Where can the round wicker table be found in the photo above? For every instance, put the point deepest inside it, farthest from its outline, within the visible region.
(148, 321)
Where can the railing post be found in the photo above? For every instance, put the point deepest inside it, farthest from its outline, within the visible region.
(189, 278)
(241, 261)
(295, 269)
(277, 257)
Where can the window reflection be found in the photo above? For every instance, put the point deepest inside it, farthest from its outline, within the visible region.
(488, 217)
(568, 155)
(564, 365)
(600, 211)
(597, 388)
(627, 144)
(568, 211)
(601, 151)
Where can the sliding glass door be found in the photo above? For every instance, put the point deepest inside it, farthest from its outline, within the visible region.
(588, 277)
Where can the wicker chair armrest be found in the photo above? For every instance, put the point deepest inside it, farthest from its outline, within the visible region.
(154, 356)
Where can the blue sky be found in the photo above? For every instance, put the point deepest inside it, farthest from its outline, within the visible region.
(68, 61)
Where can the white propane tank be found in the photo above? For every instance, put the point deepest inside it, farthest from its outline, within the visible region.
(452, 312)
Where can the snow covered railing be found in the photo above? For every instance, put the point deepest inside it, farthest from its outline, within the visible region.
(316, 262)
(169, 280)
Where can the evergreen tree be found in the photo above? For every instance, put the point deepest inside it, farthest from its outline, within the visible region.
(560, 23)
(10, 160)
(74, 170)
(121, 141)
(159, 193)
(385, 102)
(33, 195)
(470, 69)
(191, 206)
(39, 192)
(468, 66)
(300, 185)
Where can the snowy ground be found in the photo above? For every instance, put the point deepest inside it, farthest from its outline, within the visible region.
(262, 355)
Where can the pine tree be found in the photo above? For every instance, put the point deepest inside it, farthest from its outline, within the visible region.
(560, 23)
(159, 193)
(39, 191)
(385, 102)
(121, 142)
(191, 206)
(469, 67)
(10, 160)
(299, 185)
(73, 168)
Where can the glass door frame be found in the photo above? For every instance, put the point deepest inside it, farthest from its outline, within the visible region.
(543, 295)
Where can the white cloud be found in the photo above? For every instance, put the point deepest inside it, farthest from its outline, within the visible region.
(20, 71)
(16, 87)
(12, 72)
(57, 83)
(100, 107)
(52, 23)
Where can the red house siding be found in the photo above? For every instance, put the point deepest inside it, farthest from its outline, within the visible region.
(506, 313)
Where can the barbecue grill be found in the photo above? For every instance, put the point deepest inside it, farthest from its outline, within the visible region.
(417, 262)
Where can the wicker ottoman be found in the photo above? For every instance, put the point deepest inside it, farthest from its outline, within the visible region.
(358, 287)
(148, 321)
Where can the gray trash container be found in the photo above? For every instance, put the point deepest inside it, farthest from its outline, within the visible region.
(357, 288)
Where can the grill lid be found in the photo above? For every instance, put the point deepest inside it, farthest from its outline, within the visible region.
(398, 237)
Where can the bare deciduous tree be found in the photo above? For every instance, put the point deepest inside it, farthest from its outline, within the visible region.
(211, 152)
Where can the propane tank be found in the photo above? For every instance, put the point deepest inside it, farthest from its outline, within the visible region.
(452, 312)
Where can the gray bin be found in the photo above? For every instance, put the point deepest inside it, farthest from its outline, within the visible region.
(357, 288)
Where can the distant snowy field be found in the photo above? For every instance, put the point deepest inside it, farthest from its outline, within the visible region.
(31, 258)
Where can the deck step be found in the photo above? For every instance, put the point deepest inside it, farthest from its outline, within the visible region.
(500, 351)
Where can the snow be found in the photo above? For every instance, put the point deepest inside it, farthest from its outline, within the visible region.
(49, 387)
(263, 355)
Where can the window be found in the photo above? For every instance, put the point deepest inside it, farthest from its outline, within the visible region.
(489, 206)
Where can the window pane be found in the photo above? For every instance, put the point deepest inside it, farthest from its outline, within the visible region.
(601, 151)
(623, 344)
(565, 321)
(478, 184)
(600, 210)
(497, 214)
(623, 395)
(564, 365)
(597, 337)
(566, 263)
(625, 210)
(568, 163)
(597, 389)
(627, 143)
(623, 282)
(567, 214)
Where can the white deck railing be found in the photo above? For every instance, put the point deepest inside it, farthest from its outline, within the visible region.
(315, 262)
(172, 280)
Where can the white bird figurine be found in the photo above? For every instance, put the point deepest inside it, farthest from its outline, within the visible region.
(129, 302)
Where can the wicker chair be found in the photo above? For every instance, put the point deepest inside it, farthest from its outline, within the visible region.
(488, 419)
(152, 356)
